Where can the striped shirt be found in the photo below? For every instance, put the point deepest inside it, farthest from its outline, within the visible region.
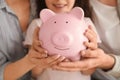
(11, 36)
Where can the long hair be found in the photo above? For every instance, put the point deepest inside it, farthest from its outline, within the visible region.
(84, 4)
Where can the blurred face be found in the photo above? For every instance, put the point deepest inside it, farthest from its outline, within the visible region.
(60, 6)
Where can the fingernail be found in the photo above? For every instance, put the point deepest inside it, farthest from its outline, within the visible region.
(63, 57)
(82, 53)
(57, 56)
(46, 51)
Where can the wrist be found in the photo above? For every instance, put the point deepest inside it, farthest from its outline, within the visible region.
(28, 62)
(21, 66)
(115, 71)
(111, 62)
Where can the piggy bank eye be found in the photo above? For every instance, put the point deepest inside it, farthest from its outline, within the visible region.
(55, 22)
(66, 21)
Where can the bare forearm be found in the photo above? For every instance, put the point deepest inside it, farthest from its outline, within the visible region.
(109, 62)
(109, 2)
(15, 70)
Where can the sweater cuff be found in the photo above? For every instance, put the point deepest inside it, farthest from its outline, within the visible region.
(115, 71)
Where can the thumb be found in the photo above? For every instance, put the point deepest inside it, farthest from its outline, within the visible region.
(89, 54)
(36, 33)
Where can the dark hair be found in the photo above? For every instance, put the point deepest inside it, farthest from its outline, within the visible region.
(84, 4)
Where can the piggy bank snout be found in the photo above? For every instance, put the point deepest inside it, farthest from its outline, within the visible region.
(62, 39)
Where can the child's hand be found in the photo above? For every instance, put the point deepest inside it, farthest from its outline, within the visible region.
(34, 56)
(93, 59)
(46, 63)
(38, 57)
(92, 37)
(36, 52)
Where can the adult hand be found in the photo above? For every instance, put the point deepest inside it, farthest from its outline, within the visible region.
(92, 59)
(74, 66)
(36, 52)
(38, 56)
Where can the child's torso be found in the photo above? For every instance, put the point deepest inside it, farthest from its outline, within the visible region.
(50, 74)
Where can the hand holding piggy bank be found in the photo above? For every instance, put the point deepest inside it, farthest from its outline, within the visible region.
(63, 33)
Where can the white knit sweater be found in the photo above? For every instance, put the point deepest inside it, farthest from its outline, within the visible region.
(107, 22)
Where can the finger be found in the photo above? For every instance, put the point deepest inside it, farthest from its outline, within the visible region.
(35, 54)
(88, 72)
(34, 59)
(50, 59)
(81, 65)
(92, 37)
(92, 31)
(66, 60)
(36, 34)
(76, 64)
(65, 68)
(57, 61)
(91, 45)
(89, 53)
(37, 43)
(40, 49)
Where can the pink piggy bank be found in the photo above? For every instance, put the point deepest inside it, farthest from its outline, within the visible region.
(63, 33)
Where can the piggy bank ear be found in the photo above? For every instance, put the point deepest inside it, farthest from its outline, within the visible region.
(77, 12)
(46, 14)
